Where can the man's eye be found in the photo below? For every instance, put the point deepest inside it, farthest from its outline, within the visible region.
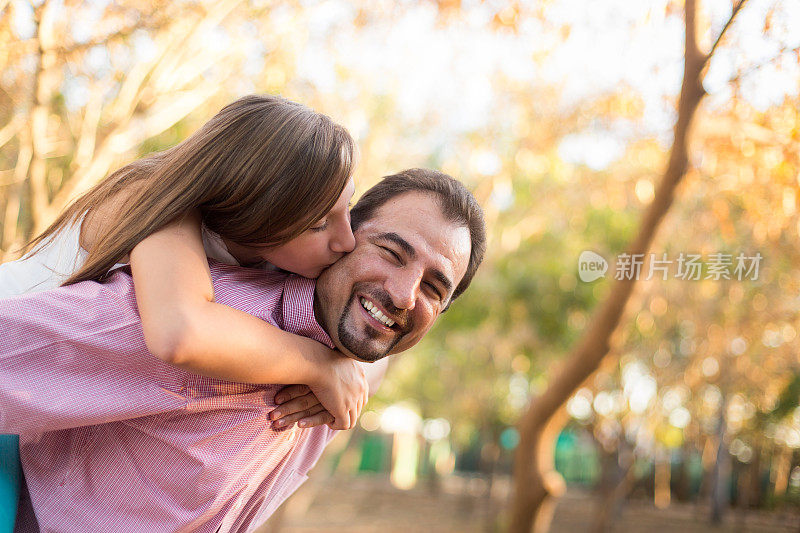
(391, 252)
(434, 290)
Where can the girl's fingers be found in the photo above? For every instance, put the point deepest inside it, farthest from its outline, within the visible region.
(291, 418)
(295, 405)
(319, 419)
(290, 392)
(340, 423)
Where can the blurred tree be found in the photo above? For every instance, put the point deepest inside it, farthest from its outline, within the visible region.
(711, 339)
(86, 84)
(536, 485)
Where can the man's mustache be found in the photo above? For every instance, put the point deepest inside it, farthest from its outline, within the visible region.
(401, 317)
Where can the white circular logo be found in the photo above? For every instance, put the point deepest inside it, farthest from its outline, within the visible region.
(591, 266)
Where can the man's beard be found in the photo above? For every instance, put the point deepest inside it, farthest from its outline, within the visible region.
(359, 347)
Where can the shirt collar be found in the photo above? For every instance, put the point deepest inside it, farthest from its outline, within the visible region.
(298, 310)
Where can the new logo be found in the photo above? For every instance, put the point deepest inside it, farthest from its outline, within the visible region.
(591, 266)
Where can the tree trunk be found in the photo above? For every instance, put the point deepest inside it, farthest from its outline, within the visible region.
(662, 493)
(536, 485)
(782, 463)
(720, 476)
(46, 81)
(618, 480)
(682, 485)
(489, 458)
(754, 495)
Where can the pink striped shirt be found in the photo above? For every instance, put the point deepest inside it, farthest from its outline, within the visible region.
(113, 439)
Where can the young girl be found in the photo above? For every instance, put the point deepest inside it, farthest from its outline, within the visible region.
(265, 181)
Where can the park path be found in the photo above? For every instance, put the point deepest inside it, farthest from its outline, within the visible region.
(370, 504)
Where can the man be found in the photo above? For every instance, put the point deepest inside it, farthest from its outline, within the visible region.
(113, 439)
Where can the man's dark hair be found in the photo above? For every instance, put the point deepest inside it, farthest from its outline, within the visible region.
(456, 202)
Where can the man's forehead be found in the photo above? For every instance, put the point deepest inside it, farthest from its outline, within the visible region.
(393, 212)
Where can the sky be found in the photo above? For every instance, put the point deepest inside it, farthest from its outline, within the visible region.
(457, 71)
(453, 70)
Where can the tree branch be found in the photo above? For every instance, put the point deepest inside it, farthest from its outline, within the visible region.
(691, 50)
(8, 131)
(3, 13)
(105, 39)
(151, 21)
(124, 138)
(10, 236)
(734, 12)
(757, 66)
(87, 139)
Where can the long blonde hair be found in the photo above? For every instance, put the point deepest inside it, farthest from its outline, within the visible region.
(261, 171)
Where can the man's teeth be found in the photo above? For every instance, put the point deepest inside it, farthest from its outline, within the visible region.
(376, 313)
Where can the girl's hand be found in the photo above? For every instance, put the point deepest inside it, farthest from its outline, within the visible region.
(341, 387)
(296, 403)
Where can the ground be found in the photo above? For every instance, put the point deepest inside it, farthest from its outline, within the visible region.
(370, 504)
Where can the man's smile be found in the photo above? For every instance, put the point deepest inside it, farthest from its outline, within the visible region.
(375, 312)
(376, 306)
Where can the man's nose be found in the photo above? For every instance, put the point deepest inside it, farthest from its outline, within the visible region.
(403, 287)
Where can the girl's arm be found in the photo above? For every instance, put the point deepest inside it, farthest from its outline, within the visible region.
(183, 326)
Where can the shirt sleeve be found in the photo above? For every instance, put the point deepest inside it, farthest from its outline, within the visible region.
(76, 356)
